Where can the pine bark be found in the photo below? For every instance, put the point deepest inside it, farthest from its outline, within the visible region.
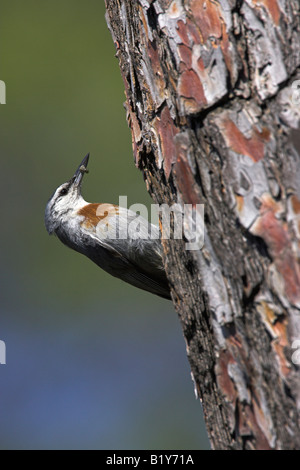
(211, 95)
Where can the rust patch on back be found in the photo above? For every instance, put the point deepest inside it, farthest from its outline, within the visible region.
(94, 213)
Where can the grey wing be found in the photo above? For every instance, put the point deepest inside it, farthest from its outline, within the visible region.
(137, 261)
(148, 272)
(147, 276)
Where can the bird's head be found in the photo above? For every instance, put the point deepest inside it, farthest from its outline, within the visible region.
(65, 199)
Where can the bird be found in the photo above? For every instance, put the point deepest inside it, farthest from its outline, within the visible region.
(118, 240)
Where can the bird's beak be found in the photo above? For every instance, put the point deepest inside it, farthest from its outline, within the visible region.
(77, 178)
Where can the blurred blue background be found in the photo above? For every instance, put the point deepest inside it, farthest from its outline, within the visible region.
(92, 363)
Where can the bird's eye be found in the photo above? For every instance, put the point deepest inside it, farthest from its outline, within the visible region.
(63, 191)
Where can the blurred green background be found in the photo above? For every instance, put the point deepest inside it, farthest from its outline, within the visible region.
(92, 363)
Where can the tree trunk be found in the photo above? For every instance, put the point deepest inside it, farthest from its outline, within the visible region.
(211, 92)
